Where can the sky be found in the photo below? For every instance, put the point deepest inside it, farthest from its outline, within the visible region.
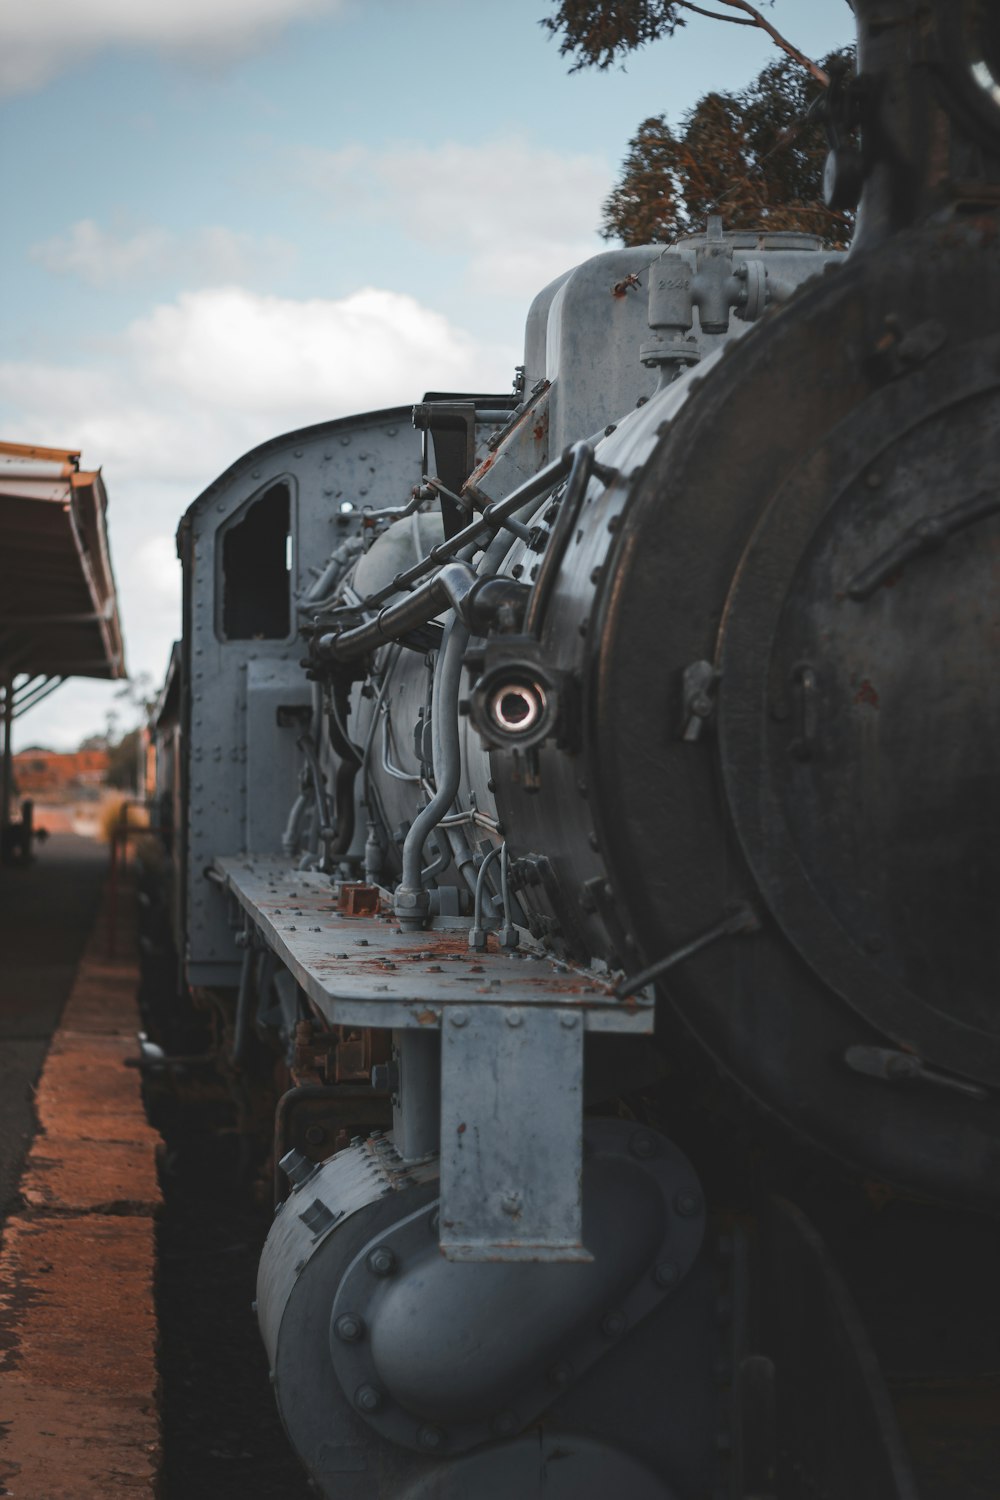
(224, 219)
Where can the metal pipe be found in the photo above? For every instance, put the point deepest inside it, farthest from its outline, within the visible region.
(438, 865)
(242, 1022)
(479, 531)
(6, 781)
(447, 773)
(489, 565)
(453, 582)
(290, 837)
(583, 465)
(338, 562)
(308, 749)
(495, 853)
(416, 1110)
(446, 589)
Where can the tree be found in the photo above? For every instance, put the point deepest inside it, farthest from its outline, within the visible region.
(596, 32)
(755, 156)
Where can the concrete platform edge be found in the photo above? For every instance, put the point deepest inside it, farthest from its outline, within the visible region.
(79, 1408)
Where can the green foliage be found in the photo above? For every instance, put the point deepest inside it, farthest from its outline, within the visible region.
(755, 156)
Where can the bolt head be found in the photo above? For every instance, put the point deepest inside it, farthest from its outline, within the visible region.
(613, 1324)
(430, 1438)
(642, 1145)
(349, 1328)
(382, 1262)
(666, 1274)
(688, 1203)
(559, 1374)
(368, 1398)
(512, 1017)
(458, 1017)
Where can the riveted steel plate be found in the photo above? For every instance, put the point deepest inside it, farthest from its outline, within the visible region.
(365, 971)
(509, 1074)
(780, 1009)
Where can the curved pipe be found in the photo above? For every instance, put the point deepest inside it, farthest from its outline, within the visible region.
(495, 853)
(438, 866)
(447, 750)
(581, 467)
(479, 532)
(489, 565)
(319, 790)
(290, 837)
(242, 1022)
(350, 762)
(447, 589)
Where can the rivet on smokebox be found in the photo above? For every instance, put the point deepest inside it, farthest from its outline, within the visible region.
(642, 1145)
(666, 1274)
(613, 1324)
(687, 1203)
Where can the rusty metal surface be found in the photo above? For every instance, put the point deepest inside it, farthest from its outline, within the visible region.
(365, 971)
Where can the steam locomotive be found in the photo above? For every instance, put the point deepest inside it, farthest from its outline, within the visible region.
(589, 796)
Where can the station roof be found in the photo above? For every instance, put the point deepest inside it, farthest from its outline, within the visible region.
(58, 603)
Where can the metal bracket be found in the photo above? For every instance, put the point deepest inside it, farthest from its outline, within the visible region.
(699, 686)
(511, 1134)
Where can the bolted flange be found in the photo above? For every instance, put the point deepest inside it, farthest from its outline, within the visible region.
(381, 1261)
(350, 1327)
(408, 1295)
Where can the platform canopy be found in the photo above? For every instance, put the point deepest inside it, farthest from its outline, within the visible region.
(58, 604)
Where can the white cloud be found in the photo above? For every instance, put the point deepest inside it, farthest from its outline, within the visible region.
(302, 360)
(41, 38)
(521, 214)
(208, 256)
(189, 387)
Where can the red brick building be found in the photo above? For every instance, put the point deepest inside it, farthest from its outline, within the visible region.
(53, 773)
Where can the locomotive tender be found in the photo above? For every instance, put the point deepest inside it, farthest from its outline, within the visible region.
(591, 793)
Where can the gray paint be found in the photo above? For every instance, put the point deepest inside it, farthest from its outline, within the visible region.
(372, 459)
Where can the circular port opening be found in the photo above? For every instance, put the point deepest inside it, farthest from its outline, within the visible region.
(516, 708)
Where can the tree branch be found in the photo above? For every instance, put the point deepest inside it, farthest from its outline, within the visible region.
(758, 20)
(713, 15)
